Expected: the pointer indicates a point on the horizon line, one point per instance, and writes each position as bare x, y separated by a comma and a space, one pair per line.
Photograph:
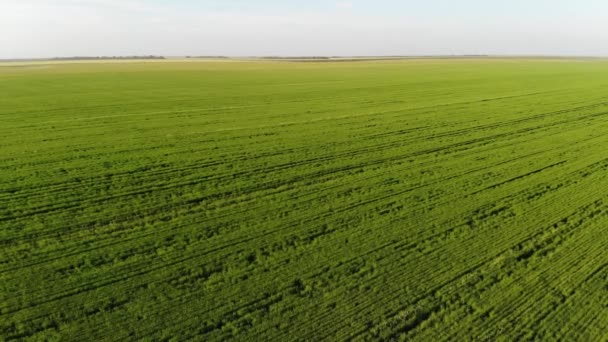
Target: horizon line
311, 57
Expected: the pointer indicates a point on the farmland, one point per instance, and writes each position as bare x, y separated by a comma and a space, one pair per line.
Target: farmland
263, 200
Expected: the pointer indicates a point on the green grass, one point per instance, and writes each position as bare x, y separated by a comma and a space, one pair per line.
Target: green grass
419, 200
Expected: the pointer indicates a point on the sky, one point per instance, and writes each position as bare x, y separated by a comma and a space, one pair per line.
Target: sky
60, 28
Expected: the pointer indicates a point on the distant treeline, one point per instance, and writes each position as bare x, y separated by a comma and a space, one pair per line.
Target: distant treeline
80, 58
320, 59
104, 57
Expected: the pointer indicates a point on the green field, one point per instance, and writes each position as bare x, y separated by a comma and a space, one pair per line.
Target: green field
423, 200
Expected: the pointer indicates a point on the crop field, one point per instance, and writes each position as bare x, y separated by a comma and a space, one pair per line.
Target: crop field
418, 200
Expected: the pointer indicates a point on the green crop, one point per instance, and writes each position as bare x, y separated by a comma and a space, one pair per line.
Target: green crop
425, 200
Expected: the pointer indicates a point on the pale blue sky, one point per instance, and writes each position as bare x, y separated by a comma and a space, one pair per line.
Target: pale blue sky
47, 28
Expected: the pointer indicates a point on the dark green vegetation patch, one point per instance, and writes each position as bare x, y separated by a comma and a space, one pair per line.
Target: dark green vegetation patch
419, 200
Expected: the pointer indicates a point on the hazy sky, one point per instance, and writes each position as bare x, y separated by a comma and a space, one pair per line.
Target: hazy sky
47, 28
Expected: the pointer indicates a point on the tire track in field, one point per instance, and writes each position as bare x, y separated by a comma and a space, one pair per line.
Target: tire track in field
501, 252
300, 163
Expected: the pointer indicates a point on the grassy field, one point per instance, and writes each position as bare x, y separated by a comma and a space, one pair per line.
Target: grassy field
381, 200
